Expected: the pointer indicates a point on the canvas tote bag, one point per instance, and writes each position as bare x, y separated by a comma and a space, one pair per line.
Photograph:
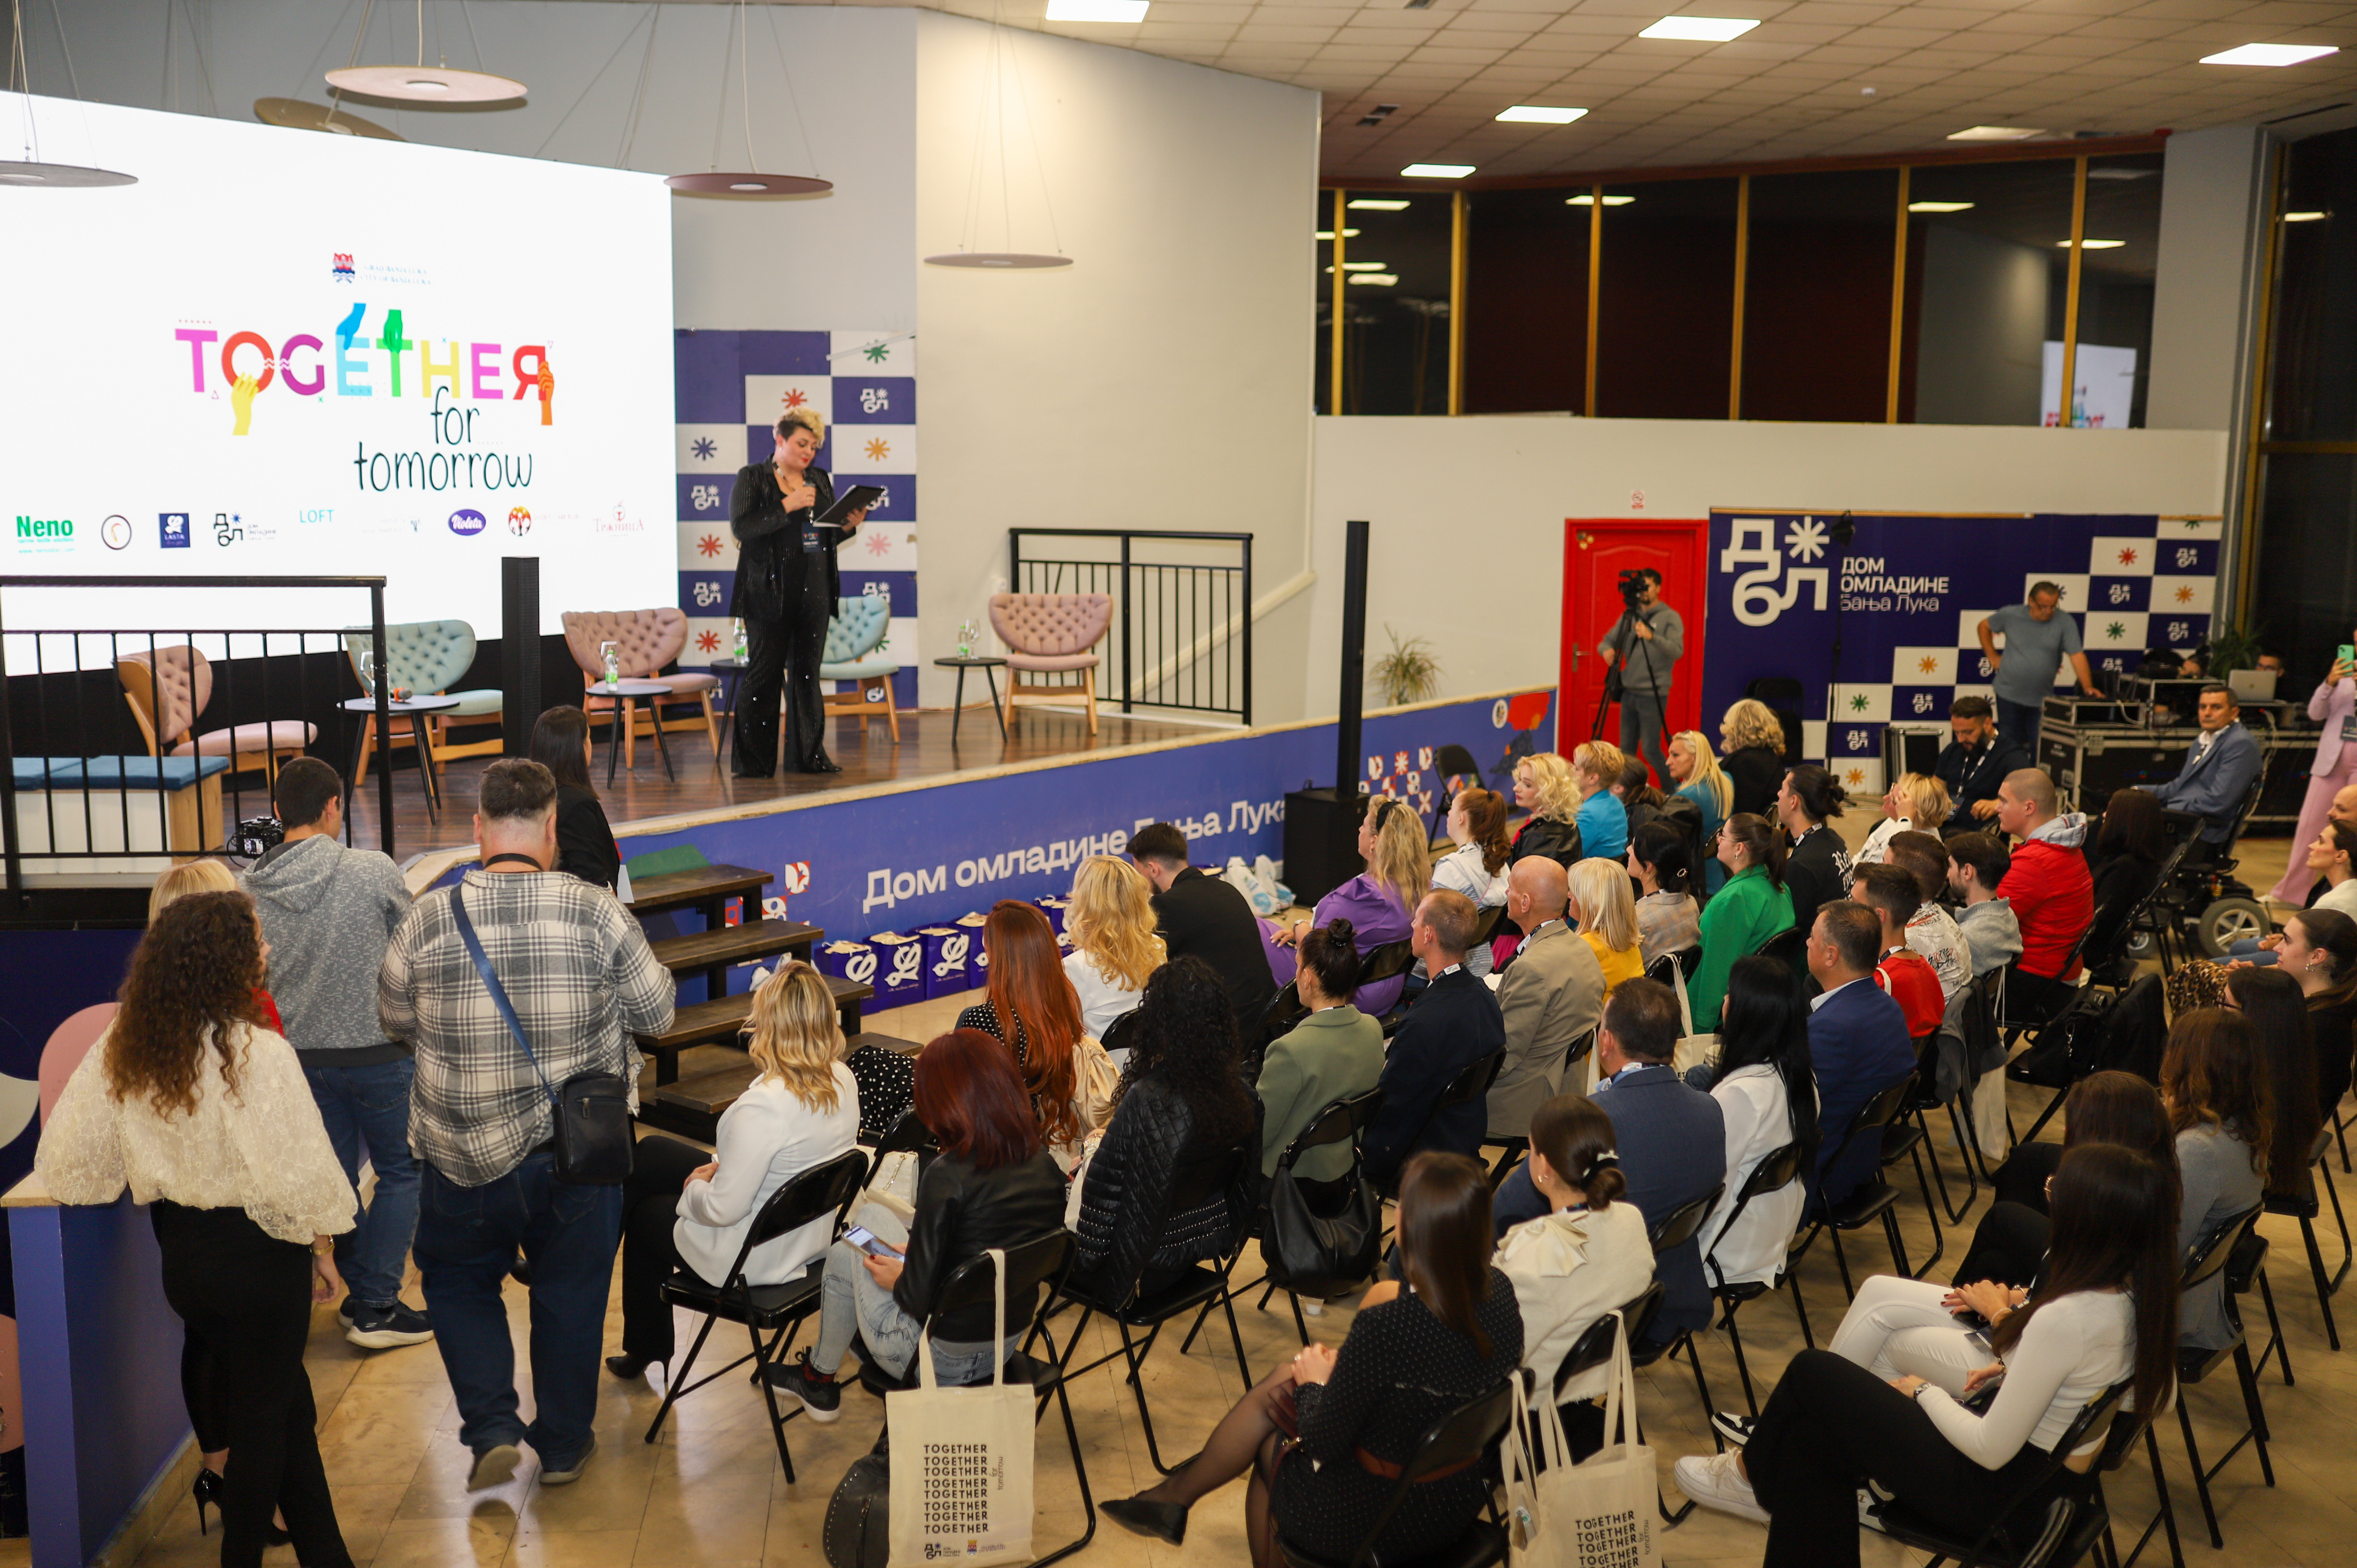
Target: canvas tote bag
961, 1461
1693, 1050
1598, 1514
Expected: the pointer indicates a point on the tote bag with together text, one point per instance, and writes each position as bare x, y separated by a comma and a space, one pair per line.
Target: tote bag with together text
961, 1463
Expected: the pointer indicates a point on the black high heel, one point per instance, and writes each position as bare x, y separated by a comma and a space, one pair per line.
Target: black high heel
208, 1489
1141, 1516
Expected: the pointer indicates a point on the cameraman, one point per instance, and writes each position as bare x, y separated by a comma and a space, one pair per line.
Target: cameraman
1647, 642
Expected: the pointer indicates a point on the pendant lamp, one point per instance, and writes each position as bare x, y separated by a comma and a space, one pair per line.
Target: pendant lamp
717, 181
30, 172
301, 114
420, 84
990, 132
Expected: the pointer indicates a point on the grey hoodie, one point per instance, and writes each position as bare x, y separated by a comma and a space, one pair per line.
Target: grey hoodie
329, 913
1993, 933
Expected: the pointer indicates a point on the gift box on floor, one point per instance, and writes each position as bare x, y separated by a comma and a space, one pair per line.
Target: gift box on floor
947, 949
977, 959
899, 969
1053, 906
851, 961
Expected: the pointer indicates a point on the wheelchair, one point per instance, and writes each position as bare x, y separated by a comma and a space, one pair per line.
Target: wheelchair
2201, 908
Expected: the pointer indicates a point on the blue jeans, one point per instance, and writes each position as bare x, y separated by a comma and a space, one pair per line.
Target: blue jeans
2018, 722
372, 1103
850, 1301
466, 1238
2247, 948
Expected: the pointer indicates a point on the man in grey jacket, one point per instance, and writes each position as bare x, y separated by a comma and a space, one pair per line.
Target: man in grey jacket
1648, 642
328, 914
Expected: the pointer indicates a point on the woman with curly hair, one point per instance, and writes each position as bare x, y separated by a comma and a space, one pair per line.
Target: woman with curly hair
203, 1112
1033, 1010
1380, 902
1754, 758
1543, 786
1114, 948
1182, 1099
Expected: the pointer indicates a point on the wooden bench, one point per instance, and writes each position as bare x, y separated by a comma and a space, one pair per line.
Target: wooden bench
713, 951
692, 1105
721, 1020
705, 888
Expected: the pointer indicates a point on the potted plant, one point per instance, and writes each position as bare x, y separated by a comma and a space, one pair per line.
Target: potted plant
1408, 673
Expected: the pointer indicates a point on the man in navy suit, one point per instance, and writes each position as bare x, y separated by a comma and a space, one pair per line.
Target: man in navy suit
1672, 1137
1857, 1040
1453, 1024
2219, 768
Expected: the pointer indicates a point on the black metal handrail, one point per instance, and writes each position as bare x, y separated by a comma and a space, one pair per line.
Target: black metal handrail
1183, 630
153, 641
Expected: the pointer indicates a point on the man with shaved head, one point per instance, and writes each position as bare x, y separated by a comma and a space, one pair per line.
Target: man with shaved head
1551, 993
2050, 890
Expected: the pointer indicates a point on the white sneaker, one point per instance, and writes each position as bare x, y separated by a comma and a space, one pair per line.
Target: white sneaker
1866, 1518
1715, 1481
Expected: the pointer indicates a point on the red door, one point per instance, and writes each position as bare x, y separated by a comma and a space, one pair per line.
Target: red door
1596, 551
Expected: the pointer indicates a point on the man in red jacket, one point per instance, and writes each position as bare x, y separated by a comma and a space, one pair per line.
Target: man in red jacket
1892, 892
2049, 887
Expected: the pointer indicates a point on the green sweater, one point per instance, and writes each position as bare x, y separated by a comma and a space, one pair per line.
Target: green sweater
1325, 1058
1738, 920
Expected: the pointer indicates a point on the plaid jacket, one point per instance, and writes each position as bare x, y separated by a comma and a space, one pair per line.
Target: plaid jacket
583, 980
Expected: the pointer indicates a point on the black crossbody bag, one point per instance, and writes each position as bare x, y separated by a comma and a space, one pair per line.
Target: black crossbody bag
591, 1113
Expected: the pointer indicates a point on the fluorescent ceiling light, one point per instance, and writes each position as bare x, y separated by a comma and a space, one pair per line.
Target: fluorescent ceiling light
1437, 171
1380, 280
2116, 172
1366, 266
1374, 204
1993, 134
2270, 54
1097, 10
1585, 200
1939, 207
1699, 29
2304, 217
2091, 244
1535, 114
1329, 233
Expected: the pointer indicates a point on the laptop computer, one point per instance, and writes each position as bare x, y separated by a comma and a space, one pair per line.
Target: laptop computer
2252, 685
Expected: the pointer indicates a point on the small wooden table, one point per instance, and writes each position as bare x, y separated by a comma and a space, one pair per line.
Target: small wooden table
985, 664
415, 709
624, 713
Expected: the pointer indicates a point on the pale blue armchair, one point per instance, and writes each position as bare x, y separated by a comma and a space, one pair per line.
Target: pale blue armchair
425, 657
854, 651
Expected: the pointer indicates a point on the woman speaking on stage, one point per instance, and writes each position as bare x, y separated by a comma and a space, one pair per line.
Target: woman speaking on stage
787, 584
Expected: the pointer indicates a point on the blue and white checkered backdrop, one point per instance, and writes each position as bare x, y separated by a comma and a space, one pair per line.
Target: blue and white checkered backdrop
732, 386
1912, 591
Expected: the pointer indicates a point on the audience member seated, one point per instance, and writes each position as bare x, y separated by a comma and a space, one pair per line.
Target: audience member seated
1668, 918
1111, 922
681, 1210
1914, 801
1544, 788
585, 839
1204, 917
2219, 768
1672, 1139
2320, 951
2333, 859
2052, 895
1180, 1101
1379, 902
1588, 1255
2212, 1079
1858, 1041
1973, 765
887, 1086
1890, 892
1977, 866
1834, 1425
1477, 866
1754, 758
1455, 1023
2271, 1002
1032, 1009
1930, 929
993, 1185
1550, 997
1816, 868
1603, 819
1606, 913
2129, 847
1634, 789
1713, 794
1767, 1090
1335, 1052
1753, 906
1325, 1435
2008, 1250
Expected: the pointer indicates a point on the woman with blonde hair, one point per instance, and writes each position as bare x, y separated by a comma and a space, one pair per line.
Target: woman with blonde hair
1114, 948
1699, 779
1914, 802
1543, 786
682, 1211
1754, 760
205, 875
1603, 819
1380, 902
1606, 911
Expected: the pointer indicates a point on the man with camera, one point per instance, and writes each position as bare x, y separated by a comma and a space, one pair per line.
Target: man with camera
1644, 645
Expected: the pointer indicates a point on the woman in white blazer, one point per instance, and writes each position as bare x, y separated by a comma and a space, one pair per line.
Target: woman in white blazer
2333, 705
1763, 1056
681, 1210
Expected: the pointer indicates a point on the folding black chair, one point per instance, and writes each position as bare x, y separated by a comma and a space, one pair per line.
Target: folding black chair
1465, 1438
1511, 1147
1342, 1122
779, 1310
1594, 1349
1773, 1174
2208, 1259
2306, 1210
1874, 1198
1684, 962
1789, 946
1677, 1227
1485, 926
1284, 1011
1116, 1034
1472, 1082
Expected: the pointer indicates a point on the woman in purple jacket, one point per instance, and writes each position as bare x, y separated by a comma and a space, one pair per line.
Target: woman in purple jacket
1380, 902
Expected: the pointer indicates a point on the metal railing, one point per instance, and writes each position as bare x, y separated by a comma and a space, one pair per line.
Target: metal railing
1183, 610
63, 706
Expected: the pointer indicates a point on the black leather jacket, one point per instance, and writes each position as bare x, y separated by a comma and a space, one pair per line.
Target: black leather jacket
1126, 1221
1558, 841
963, 1212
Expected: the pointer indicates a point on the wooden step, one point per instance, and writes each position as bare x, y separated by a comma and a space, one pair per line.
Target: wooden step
718, 1022
708, 888
724, 946
713, 1077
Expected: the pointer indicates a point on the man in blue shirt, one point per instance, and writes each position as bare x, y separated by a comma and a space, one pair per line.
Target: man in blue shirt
2038, 637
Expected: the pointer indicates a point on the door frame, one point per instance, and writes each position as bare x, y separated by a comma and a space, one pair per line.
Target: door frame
1571, 646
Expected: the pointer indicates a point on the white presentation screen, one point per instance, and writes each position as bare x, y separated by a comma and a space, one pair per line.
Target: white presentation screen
285, 353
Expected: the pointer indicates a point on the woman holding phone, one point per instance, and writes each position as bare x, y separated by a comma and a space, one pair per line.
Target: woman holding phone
2333, 704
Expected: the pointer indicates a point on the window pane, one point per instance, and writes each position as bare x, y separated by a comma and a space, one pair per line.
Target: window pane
1525, 303
2115, 273
1987, 270
2314, 393
1396, 299
1665, 313
1322, 390
1816, 309
2308, 557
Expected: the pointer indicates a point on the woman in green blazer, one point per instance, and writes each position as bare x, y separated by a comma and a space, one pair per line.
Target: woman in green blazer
1741, 916
1335, 1052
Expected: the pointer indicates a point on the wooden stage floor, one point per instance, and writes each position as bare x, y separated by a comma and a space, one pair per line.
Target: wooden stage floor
924, 751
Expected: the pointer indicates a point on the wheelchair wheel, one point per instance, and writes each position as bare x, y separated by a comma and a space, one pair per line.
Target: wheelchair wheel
2142, 945
2230, 921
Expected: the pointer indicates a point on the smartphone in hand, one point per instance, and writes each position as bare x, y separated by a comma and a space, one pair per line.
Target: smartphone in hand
867, 1241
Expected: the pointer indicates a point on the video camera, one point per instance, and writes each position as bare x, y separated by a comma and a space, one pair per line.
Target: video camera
1633, 586
256, 836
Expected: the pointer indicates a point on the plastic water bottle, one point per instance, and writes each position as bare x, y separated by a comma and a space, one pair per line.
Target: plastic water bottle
739, 645
613, 665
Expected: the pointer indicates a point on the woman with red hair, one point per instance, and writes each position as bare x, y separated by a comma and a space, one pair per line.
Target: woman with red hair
1033, 1009
992, 1185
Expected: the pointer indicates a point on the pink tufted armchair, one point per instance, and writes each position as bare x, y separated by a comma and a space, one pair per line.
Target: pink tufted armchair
170, 688
647, 641
1051, 634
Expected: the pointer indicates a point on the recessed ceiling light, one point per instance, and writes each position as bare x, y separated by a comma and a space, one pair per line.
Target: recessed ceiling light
2116, 172
1699, 29
2305, 217
2091, 244
1993, 134
1366, 266
1585, 200
1534, 114
1437, 171
1097, 10
1939, 207
1380, 280
1329, 233
2270, 54
1372, 204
